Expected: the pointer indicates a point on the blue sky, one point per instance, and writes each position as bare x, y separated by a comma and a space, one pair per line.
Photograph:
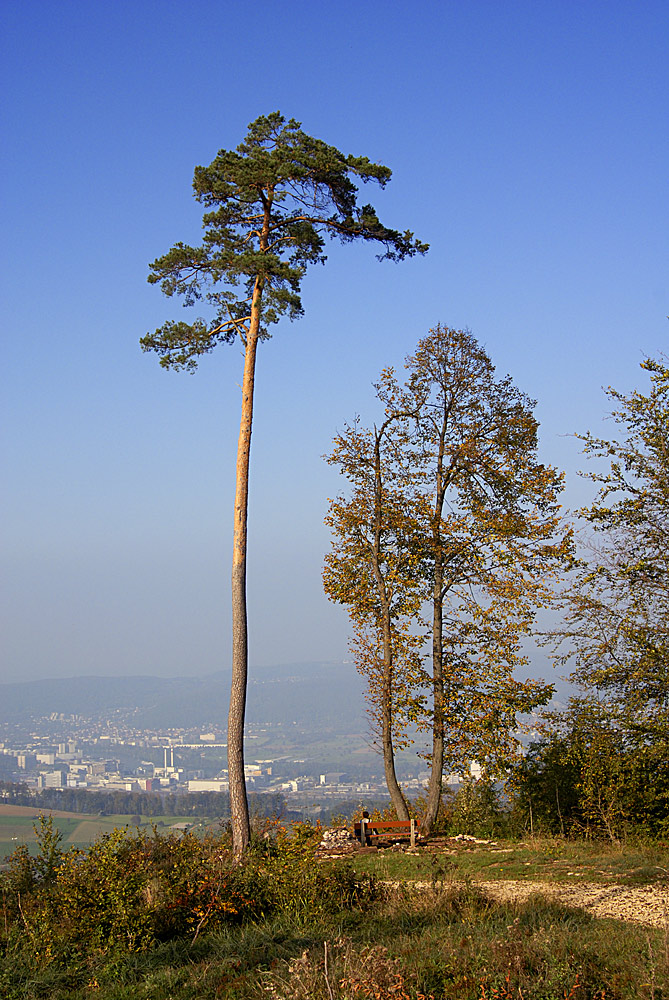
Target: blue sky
529, 147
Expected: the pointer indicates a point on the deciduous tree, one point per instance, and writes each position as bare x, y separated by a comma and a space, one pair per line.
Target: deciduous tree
450, 500
372, 568
616, 610
270, 203
490, 540
589, 775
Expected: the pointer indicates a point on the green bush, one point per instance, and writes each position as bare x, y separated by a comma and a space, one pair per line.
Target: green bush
583, 778
131, 890
476, 808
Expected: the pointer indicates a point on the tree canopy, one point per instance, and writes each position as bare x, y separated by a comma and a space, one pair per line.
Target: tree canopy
616, 609
493, 543
448, 539
271, 204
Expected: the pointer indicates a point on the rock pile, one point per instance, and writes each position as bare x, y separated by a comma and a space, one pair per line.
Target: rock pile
337, 835
472, 840
337, 840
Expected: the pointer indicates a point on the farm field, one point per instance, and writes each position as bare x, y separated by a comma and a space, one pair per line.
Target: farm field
17, 826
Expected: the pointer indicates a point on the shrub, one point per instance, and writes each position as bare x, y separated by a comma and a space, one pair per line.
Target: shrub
476, 808
128, 890
131, 889
584, 779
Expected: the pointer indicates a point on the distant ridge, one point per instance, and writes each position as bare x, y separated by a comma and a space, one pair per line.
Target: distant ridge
314, 695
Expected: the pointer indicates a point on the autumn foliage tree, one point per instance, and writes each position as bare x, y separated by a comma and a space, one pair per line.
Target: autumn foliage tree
373, 568
492, 544
271, 204
476, 520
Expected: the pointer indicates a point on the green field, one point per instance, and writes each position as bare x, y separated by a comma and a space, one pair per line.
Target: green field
80, 830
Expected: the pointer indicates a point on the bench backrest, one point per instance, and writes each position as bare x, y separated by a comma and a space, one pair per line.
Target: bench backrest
386, 824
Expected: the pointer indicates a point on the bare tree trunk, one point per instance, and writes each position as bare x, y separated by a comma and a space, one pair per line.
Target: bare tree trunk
437, 761
396, 794
239, 807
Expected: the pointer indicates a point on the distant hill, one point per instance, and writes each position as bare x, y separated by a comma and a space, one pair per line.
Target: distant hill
314, 695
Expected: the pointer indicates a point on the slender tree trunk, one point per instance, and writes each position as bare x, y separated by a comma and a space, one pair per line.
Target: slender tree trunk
239, 807
437, 762
396, 794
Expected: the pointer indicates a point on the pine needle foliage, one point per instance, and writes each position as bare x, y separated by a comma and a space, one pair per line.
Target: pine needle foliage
271, 203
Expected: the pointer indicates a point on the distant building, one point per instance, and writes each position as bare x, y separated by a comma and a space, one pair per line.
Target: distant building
122, 786
202, 785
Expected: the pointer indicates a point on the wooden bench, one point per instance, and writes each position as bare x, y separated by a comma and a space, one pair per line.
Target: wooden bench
370, 831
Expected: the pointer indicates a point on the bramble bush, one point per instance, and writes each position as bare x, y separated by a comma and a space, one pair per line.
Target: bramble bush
128, 917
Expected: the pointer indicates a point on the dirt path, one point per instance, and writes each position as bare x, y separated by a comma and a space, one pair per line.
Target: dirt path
647, 904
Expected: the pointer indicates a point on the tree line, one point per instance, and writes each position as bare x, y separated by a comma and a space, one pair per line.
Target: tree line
117, 802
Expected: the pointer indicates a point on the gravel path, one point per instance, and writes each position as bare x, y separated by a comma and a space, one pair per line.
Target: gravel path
648, 904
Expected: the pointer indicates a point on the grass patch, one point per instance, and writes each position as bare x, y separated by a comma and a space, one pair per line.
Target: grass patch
16, 830
543, 860
447, 946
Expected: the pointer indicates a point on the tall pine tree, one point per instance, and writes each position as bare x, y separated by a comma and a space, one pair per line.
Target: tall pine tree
270, 203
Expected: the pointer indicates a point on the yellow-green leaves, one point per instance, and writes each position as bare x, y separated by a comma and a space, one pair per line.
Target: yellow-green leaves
446, 543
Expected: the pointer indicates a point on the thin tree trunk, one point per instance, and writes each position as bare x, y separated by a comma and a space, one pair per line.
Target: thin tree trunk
396, 794
239, 807
437, 761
